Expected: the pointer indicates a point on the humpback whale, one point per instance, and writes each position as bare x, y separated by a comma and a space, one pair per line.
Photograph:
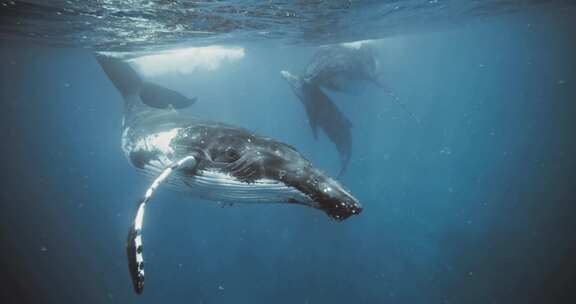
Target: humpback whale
323, 113
342, 69
213, 161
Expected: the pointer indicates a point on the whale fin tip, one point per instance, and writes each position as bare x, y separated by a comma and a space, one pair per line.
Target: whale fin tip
134, 245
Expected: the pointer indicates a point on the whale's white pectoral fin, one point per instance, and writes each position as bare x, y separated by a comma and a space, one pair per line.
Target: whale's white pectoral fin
134, 241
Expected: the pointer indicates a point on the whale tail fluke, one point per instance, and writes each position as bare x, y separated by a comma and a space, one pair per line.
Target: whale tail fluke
133, 88
157, 96
121, 74
324, 114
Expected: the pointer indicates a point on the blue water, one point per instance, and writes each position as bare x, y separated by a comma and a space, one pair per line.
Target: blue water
473, 205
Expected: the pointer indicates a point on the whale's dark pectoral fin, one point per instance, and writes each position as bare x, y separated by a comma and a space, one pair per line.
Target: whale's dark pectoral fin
315, 132
313, 121
134, 242
323, 113
344, 160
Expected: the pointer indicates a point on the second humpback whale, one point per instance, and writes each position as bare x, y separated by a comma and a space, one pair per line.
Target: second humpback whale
342, 69
213, 161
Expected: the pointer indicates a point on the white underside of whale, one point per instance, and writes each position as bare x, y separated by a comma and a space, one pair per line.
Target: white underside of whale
222, 187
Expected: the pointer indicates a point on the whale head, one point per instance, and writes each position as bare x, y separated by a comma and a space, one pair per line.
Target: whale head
253, 160
329, 195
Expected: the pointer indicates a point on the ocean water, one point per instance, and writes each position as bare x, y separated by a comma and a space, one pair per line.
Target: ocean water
475, 204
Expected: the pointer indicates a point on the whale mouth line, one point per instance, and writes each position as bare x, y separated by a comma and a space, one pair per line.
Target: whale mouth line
267, 190
215, 185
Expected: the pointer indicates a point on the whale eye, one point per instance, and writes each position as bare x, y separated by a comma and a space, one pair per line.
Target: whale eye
226, 155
